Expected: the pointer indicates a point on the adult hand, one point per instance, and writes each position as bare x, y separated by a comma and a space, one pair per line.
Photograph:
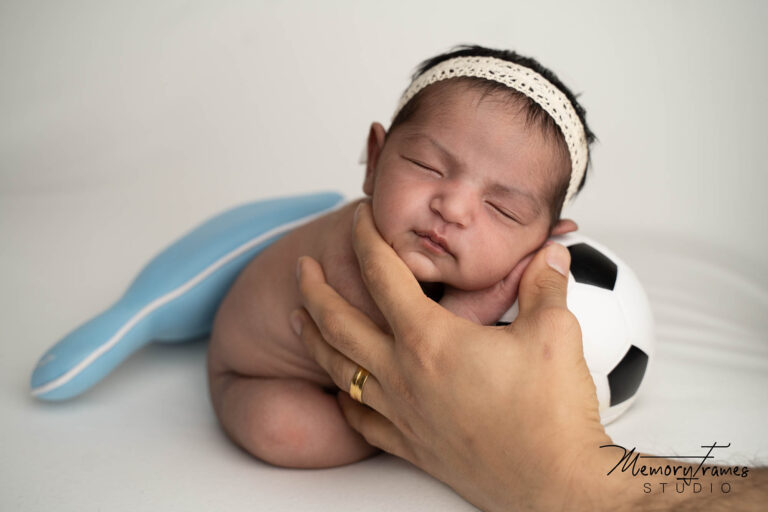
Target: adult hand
507, 416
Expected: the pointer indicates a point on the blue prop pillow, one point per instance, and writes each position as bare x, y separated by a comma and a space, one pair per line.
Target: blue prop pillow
175, 297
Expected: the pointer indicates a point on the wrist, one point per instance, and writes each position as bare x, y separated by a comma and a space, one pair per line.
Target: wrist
590, 483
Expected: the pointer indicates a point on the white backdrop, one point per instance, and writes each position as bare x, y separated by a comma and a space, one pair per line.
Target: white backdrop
124, 124
195, 106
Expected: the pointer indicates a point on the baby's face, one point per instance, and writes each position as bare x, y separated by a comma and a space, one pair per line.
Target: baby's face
461, 191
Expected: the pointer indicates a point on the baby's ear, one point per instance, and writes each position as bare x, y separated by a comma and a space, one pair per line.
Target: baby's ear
376, 137
564, 226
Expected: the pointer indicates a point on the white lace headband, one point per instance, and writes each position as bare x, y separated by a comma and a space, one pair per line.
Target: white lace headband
525, 81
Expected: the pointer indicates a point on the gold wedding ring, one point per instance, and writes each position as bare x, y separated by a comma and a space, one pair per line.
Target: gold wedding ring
358, 381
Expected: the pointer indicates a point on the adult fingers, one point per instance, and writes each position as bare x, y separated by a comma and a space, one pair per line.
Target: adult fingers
339, 367
389, 281
375, 428
545, 280
340, 324
544, 314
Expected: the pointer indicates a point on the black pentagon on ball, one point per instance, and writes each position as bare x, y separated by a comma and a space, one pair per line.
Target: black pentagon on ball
625, 378
590, 266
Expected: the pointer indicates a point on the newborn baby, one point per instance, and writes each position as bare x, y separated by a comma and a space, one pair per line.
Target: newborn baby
468, 182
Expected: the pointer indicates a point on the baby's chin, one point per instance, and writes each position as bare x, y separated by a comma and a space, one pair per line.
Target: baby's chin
425, 271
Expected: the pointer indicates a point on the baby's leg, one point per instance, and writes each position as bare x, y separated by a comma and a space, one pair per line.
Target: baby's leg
286, 422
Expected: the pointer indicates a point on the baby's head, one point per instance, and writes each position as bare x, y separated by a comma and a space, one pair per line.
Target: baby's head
473, 174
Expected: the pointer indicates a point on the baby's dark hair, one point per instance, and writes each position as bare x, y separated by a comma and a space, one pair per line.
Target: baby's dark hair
535, 114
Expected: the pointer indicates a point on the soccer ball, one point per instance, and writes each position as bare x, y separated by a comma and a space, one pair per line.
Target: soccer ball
615, 318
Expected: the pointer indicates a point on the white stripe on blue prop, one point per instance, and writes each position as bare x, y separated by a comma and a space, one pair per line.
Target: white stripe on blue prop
175, 296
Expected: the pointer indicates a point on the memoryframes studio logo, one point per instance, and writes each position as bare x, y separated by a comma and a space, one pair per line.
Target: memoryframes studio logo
660, 475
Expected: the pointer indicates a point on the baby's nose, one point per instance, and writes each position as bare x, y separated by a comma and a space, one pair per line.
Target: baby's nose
455, 205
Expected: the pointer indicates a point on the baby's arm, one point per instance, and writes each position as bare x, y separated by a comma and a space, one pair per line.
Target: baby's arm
286, 422
486, 306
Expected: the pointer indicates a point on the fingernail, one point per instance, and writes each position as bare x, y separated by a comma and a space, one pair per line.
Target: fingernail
558, 258
298, 268
295, 320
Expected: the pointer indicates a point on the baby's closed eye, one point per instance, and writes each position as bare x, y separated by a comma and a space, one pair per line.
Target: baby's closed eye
504, 212
423, 165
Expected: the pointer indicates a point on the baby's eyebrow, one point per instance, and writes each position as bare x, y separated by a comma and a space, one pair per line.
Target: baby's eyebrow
442, 149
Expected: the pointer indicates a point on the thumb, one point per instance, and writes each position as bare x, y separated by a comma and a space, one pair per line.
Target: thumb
545, 281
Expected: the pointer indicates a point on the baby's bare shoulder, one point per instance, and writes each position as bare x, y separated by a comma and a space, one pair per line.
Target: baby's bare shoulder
251, 334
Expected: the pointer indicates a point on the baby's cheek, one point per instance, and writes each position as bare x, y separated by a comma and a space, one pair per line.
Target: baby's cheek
485, 271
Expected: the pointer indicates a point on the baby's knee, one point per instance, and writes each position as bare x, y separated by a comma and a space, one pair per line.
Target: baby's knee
270, 419
280, 435
287, 422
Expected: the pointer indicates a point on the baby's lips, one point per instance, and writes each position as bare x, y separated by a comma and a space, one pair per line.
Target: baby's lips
436, 239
